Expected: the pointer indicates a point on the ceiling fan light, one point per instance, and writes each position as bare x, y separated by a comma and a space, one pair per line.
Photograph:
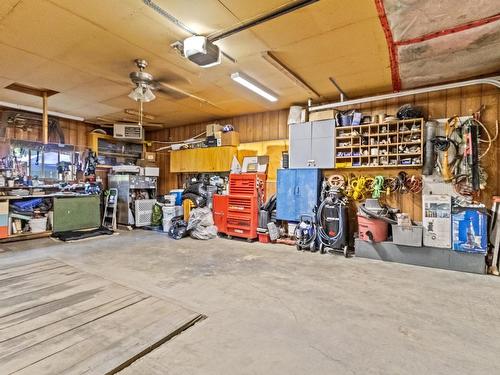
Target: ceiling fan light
142, 93
148, 95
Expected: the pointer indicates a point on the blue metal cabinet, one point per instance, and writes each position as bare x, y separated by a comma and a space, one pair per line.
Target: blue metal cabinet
297, 193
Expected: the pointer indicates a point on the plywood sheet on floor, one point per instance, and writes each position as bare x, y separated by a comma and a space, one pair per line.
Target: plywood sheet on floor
55, 318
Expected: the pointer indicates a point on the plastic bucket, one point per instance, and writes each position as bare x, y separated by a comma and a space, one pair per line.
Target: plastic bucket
375, 230
38, 225
178, 196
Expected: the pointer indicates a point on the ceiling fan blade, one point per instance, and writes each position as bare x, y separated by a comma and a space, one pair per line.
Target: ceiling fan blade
169, 88
173, 94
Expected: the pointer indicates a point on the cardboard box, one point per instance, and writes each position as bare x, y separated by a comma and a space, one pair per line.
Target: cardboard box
212, 129
145, 163
230, 139
151, 171
322, 115
218, 135
437, 220
150, 156
470, 229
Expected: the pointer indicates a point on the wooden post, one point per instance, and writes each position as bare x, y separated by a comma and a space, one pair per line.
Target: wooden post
45, 119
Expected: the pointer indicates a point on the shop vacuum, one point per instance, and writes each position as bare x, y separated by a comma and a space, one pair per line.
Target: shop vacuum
306, 233
332, 222
326, 230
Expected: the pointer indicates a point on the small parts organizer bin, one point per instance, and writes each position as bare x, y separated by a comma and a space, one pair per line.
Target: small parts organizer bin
395, 143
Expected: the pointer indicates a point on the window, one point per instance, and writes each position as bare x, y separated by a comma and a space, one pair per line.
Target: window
41, 161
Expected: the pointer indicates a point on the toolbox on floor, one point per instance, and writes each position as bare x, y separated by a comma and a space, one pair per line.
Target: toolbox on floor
237, 214
242, 216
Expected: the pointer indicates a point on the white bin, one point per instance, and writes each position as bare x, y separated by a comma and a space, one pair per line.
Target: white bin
38, 225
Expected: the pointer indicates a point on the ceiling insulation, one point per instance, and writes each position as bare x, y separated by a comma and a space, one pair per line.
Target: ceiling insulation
451, 57
413, 18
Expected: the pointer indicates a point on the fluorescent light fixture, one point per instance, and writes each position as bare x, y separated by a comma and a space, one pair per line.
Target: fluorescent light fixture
39, 110
254, 86
142, 93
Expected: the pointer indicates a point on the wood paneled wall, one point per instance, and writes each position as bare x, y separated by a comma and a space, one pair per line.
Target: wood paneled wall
75, 133
273, 125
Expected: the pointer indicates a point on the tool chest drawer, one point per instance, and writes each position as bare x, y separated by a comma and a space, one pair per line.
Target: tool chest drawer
248, 184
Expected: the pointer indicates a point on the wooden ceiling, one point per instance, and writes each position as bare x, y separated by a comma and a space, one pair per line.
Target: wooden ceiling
85, 50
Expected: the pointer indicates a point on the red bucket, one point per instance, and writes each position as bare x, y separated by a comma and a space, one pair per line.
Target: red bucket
370, 229
264, 238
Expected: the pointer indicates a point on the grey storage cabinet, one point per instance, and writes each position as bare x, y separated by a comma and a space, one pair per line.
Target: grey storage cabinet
312, 144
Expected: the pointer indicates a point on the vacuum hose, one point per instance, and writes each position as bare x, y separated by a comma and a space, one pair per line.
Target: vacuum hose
431, 128
375, 216
322, 234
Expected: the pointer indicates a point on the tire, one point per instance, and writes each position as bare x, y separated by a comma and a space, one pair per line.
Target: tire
298, 247
321, 248
346, 251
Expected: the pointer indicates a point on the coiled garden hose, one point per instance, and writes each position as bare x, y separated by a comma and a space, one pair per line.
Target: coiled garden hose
358, 186
377, 187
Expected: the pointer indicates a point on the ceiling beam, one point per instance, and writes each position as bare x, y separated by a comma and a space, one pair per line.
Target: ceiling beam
30, 90
275, 13
294, 77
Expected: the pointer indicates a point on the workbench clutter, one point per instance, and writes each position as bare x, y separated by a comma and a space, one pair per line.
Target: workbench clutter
40, 186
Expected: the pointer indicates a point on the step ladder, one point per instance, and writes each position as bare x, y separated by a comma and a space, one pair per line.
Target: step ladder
109, 217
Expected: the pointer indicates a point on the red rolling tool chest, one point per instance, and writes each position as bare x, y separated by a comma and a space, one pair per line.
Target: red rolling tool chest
248, 184
236, 214
219, 210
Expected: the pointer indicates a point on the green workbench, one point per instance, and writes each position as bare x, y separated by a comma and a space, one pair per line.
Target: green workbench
76, 212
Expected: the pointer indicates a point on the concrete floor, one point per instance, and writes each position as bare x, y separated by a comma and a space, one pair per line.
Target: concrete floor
273, 310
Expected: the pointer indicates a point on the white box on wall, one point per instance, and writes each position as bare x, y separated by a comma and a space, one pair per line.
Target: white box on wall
437, 220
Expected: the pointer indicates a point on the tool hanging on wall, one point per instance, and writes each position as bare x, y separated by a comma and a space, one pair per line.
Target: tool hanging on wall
442, 146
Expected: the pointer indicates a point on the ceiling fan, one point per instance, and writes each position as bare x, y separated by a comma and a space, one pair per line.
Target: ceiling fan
146, 85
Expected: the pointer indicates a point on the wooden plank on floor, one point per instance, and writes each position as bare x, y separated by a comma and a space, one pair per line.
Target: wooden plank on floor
42, 316
55, 318
23, 269
18, 285
47, 295
8, 266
